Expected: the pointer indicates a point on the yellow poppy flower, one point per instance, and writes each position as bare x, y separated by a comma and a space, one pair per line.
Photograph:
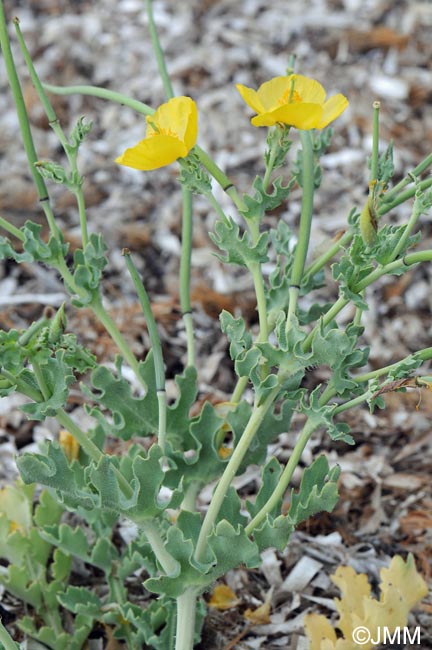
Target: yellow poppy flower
294, 100
171, 133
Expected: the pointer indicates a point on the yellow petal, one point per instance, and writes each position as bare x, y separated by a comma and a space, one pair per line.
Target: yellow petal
319, 630
178, 116
354, 588
251, 98
310, 91
191, 131
153, 153
301, 116
404, 578
332, 108
223, 598
271, 93
260, 615
69, 445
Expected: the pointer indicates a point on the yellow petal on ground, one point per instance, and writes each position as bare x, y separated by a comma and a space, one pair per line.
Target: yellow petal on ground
332, 108
318, 629
310, 91
223, 598
260, 615
403, 577
153, 153
301, 116
354, 588
251, 98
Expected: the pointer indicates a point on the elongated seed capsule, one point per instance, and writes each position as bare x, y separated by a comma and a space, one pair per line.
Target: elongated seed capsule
368, 223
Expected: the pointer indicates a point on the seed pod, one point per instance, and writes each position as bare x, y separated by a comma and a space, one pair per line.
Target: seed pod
368, 223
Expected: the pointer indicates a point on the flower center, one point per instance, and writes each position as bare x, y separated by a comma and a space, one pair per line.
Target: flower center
158, 130
290, 96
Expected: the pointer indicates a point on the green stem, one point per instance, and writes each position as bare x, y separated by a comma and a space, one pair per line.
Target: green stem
256, 272
191, 493
305, 224
54, 122
79, 194
327, 318
185, 274
424, 355
160, 58
352, 402
155, 344
404, 196
325, 257
215, 204
239, 389
186, 613
165, 559
80, 436
117, 337
375, 143
285, 478
6, 639
235, 460
219, 176
25, 124
102, 93
414, 217
274, 148
421, 167
150, 320
16, 232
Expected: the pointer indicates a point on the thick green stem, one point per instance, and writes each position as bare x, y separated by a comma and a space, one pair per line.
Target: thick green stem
186, 613
25, 124
185, 274
285, 478
306, 209
165, 559
237, 456
239, 389
190, 496
305, 223
255, 269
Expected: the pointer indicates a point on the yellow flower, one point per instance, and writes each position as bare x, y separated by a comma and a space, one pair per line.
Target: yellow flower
171, 133
294, 100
